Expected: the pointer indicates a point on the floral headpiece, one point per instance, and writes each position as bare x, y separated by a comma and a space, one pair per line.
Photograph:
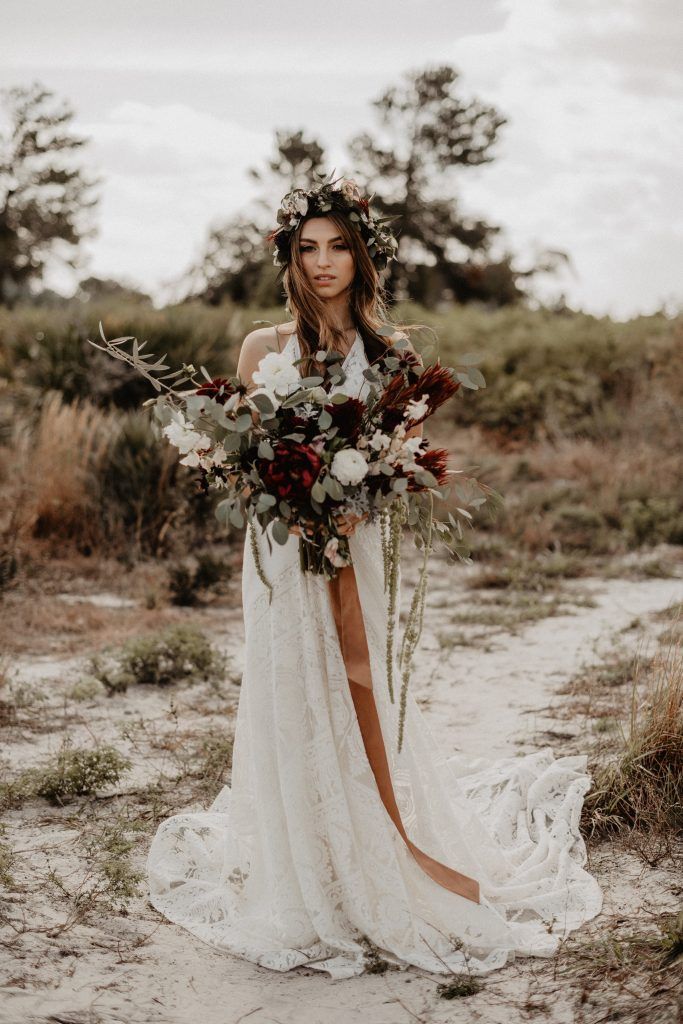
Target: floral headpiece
328, 196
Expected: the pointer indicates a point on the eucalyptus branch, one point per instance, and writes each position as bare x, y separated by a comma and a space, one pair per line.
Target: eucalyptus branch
143, 363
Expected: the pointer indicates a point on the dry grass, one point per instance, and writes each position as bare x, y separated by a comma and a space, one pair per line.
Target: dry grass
43, 625
52, 472
638, 791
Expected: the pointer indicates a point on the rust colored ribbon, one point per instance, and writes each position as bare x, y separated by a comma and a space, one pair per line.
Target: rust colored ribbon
348, 616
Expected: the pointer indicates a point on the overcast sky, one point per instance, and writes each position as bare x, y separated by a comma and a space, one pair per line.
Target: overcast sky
180, 97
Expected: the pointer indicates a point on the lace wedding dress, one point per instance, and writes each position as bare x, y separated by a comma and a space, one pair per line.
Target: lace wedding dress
298, 861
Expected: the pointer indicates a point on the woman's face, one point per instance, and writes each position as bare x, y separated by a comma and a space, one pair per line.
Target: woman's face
325, 256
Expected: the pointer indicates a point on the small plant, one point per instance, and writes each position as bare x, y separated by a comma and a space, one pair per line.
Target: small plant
180, 654
80, 773
6, 860
461, 988
87, 688
186, 583
110, 848
9, 567
182, 585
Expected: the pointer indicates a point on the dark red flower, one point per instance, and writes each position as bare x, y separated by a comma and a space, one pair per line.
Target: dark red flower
220, 389
435, 460
292, 472
437, 382
347, 417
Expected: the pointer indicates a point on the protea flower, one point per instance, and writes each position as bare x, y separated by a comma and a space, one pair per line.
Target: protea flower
434, 460
436, 382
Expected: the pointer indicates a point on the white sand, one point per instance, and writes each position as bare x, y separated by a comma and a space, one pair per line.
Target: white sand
494, 699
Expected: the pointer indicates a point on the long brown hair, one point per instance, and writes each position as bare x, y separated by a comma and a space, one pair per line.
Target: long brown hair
367, 301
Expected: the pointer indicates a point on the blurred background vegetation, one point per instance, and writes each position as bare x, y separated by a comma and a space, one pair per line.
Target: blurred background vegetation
579, 425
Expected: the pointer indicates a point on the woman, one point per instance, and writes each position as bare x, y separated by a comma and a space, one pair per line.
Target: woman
328, 841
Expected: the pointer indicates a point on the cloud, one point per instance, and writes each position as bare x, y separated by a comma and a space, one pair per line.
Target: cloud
585, 164
169, 171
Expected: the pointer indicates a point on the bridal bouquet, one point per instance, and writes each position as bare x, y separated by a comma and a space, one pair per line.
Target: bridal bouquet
289, 454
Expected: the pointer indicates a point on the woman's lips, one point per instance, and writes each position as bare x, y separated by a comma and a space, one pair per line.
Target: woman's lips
325, 280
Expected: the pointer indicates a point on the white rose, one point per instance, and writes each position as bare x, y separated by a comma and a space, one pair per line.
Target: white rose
183, 437
349, 466
276, 373
413, 444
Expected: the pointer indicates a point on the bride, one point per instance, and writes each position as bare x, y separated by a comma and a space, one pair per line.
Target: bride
329, 842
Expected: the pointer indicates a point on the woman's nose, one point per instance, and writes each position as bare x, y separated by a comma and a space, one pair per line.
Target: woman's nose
323, 258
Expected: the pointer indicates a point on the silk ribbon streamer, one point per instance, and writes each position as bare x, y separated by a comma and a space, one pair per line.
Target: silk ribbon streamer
348, 617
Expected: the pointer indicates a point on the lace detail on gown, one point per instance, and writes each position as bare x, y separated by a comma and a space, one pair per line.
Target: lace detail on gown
297, 860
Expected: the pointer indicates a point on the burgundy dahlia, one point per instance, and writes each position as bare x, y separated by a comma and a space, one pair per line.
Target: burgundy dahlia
292, 472
347, 417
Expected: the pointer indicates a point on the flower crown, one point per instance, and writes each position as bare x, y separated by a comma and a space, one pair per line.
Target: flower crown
328, 196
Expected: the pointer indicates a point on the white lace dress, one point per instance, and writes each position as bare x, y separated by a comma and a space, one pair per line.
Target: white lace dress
298, 862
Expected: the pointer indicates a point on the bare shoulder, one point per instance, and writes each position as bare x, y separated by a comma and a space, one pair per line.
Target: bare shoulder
268, 339
258, 343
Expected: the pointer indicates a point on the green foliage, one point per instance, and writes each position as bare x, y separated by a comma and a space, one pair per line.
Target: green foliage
560, 375
80, 773
652, 520
137, 479
6, 861
187, 583
48, 349
180, 654
68, 774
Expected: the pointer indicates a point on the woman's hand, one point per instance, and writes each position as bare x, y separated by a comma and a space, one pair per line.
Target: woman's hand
232, 479
347, 524
296, 529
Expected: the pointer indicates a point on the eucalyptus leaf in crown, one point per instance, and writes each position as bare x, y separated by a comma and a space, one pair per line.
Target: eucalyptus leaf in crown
329, 195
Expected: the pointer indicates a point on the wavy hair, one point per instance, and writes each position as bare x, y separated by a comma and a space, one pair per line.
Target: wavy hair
367, 301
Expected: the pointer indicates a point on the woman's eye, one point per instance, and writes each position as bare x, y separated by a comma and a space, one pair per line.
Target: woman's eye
309, 248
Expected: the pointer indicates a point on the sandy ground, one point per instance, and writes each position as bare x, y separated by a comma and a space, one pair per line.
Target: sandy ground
491, 686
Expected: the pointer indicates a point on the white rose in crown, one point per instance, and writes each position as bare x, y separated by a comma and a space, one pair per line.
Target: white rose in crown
275, 373
349, 466
297, 203
349, 189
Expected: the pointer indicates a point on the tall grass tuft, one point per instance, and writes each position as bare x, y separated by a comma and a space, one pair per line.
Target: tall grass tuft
639, 792
93, 480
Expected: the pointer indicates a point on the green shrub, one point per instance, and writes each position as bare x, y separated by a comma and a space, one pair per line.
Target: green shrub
180, 654
139, 486
80, 772
653, 520
580, 528
186, 583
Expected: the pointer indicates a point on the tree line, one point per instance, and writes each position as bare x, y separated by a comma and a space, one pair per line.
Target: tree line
427, 134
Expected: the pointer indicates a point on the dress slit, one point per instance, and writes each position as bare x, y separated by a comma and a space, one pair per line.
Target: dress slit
348, 617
